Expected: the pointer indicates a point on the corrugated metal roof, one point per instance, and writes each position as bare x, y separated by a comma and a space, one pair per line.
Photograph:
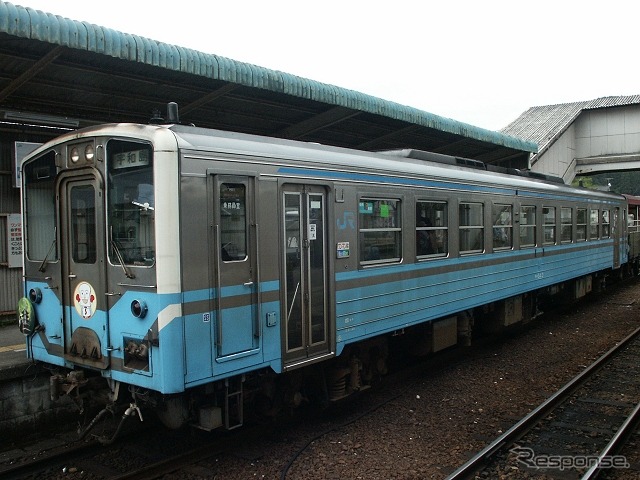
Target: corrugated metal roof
606, 102
34, 25
544, 124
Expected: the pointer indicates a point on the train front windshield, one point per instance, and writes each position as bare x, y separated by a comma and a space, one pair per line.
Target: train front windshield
131, 207
39, 203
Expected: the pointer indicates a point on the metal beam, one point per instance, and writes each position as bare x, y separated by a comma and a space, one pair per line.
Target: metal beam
210, 97
317, 122
609, 163
381, 140
31, 72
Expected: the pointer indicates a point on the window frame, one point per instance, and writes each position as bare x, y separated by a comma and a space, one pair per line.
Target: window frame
582, 224
470, 228
605, 229
40, 212
499, 228
594, 227
130, 205
437, 234
372, 232
526, 226
548, 226
566, 225
227, 205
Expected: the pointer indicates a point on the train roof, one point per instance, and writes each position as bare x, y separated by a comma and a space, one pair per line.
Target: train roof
405, 163
632, 199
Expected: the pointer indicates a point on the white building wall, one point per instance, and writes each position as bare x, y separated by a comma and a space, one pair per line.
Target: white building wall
610, 131
607, 132
558, 158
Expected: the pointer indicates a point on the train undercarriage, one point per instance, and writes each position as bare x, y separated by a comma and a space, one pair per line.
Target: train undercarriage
261, 395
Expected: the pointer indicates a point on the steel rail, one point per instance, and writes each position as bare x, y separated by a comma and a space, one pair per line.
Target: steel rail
627, 428
519, 429
60, 455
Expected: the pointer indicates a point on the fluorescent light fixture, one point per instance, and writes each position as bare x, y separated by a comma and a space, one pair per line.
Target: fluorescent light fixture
41, 119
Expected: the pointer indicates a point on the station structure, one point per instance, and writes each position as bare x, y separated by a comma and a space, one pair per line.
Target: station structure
59, 74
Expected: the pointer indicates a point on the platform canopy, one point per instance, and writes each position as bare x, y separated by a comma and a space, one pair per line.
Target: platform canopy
69, 73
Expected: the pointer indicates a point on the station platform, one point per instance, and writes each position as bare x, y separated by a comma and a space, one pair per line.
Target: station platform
13, 352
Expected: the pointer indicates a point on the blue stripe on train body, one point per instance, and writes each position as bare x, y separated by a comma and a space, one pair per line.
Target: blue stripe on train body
382, 301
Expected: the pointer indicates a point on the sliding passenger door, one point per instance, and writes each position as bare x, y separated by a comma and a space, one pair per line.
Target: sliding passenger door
616, 232
236, 292
304, 244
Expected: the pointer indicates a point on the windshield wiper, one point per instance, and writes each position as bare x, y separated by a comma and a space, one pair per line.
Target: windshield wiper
43, 265
143, 206
116, 250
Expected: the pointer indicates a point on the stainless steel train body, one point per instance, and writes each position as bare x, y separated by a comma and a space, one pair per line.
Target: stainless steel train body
175, 259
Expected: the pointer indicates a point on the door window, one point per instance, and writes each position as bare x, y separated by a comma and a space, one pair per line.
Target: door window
233, 222
83, 224
317, 269
305, 273
293, 257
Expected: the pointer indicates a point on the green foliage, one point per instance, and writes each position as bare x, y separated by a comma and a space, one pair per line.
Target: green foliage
586, 182
621, 182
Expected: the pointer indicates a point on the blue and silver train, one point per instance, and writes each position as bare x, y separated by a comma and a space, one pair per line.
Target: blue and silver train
212, 275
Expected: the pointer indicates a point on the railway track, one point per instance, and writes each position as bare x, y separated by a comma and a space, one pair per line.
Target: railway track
148, 454
285, 451
153, 451
578, 432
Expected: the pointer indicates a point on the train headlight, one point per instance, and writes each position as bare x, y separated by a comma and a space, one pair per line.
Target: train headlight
35, 295
74, 155
89, 153
139, 308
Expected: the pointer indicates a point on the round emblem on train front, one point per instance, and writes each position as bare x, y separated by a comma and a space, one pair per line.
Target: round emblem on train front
85, 300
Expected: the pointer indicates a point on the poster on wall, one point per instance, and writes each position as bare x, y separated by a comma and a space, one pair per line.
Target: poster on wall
14, 240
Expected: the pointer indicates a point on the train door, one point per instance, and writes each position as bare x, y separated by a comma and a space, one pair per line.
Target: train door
616, 231
237, 327
83, 269
305, 324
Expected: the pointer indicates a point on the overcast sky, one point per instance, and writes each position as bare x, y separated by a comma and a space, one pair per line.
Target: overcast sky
478, 62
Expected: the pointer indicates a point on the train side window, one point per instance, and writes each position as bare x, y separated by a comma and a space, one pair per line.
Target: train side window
431, 229
594, 224
502, 217
233, 222
380, 231
471, 217
606, 226
566, 221
528, 226
549, 229
581, 224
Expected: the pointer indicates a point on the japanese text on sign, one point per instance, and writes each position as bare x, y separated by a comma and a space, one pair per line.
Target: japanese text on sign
14, 240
